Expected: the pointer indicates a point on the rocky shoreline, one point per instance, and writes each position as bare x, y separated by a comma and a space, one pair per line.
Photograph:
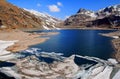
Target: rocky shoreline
115, 42
24, 39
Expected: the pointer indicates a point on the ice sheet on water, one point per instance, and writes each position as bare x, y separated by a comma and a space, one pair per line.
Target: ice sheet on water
38, 53
94, 71
57, 56
10, 72
32, 50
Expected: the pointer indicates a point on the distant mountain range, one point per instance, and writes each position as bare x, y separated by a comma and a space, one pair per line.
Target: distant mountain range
108, 17
13, 17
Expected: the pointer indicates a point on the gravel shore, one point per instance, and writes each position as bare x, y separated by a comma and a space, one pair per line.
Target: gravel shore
25, 39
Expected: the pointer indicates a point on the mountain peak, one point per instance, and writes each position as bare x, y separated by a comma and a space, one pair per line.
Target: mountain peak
107, 17
82, 10
110, 10
86, 12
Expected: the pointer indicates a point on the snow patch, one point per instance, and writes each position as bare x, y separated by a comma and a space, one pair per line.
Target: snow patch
4, 54
117, 75
115, 37
49, 22
45, 27
9, 72
113, 61
105, 74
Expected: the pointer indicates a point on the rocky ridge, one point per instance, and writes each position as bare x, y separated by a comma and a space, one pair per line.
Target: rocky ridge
108, 17
14, 17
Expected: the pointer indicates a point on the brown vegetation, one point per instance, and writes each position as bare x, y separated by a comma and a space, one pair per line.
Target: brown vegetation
14, 17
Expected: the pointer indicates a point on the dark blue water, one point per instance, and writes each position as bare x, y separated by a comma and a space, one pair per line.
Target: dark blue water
81, 42
6, 64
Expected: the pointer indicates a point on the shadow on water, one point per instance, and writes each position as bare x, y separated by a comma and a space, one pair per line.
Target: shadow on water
3, 76
47, 59
6, 64
81, 61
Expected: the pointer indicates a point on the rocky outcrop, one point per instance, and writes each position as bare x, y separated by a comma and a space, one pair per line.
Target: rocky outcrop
108, 17
87, 13
77, 20
111, 10
81, 19
111, 21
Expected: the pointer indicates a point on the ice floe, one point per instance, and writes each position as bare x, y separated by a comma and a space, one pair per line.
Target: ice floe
105, 74
37, 52
113, 61
117, 75
4, 54
10, 72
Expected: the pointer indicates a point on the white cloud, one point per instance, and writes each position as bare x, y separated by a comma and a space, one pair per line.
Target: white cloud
59, 3
54, 8
38, 4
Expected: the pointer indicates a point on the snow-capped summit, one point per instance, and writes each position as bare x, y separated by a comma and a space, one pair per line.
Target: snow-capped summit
108, 17
48, 22
110, 10
86, 12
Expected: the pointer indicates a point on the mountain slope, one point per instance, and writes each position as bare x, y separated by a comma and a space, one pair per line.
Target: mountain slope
87, 13
80, 19
108, 17
13, 17
111, 10
48, 22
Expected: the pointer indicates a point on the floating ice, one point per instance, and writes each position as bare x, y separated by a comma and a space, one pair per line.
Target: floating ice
117, 75
4, 54
10, 72
38, 53
113, 61
36, 68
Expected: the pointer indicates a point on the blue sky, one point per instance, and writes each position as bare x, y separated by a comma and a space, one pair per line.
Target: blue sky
63, 8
